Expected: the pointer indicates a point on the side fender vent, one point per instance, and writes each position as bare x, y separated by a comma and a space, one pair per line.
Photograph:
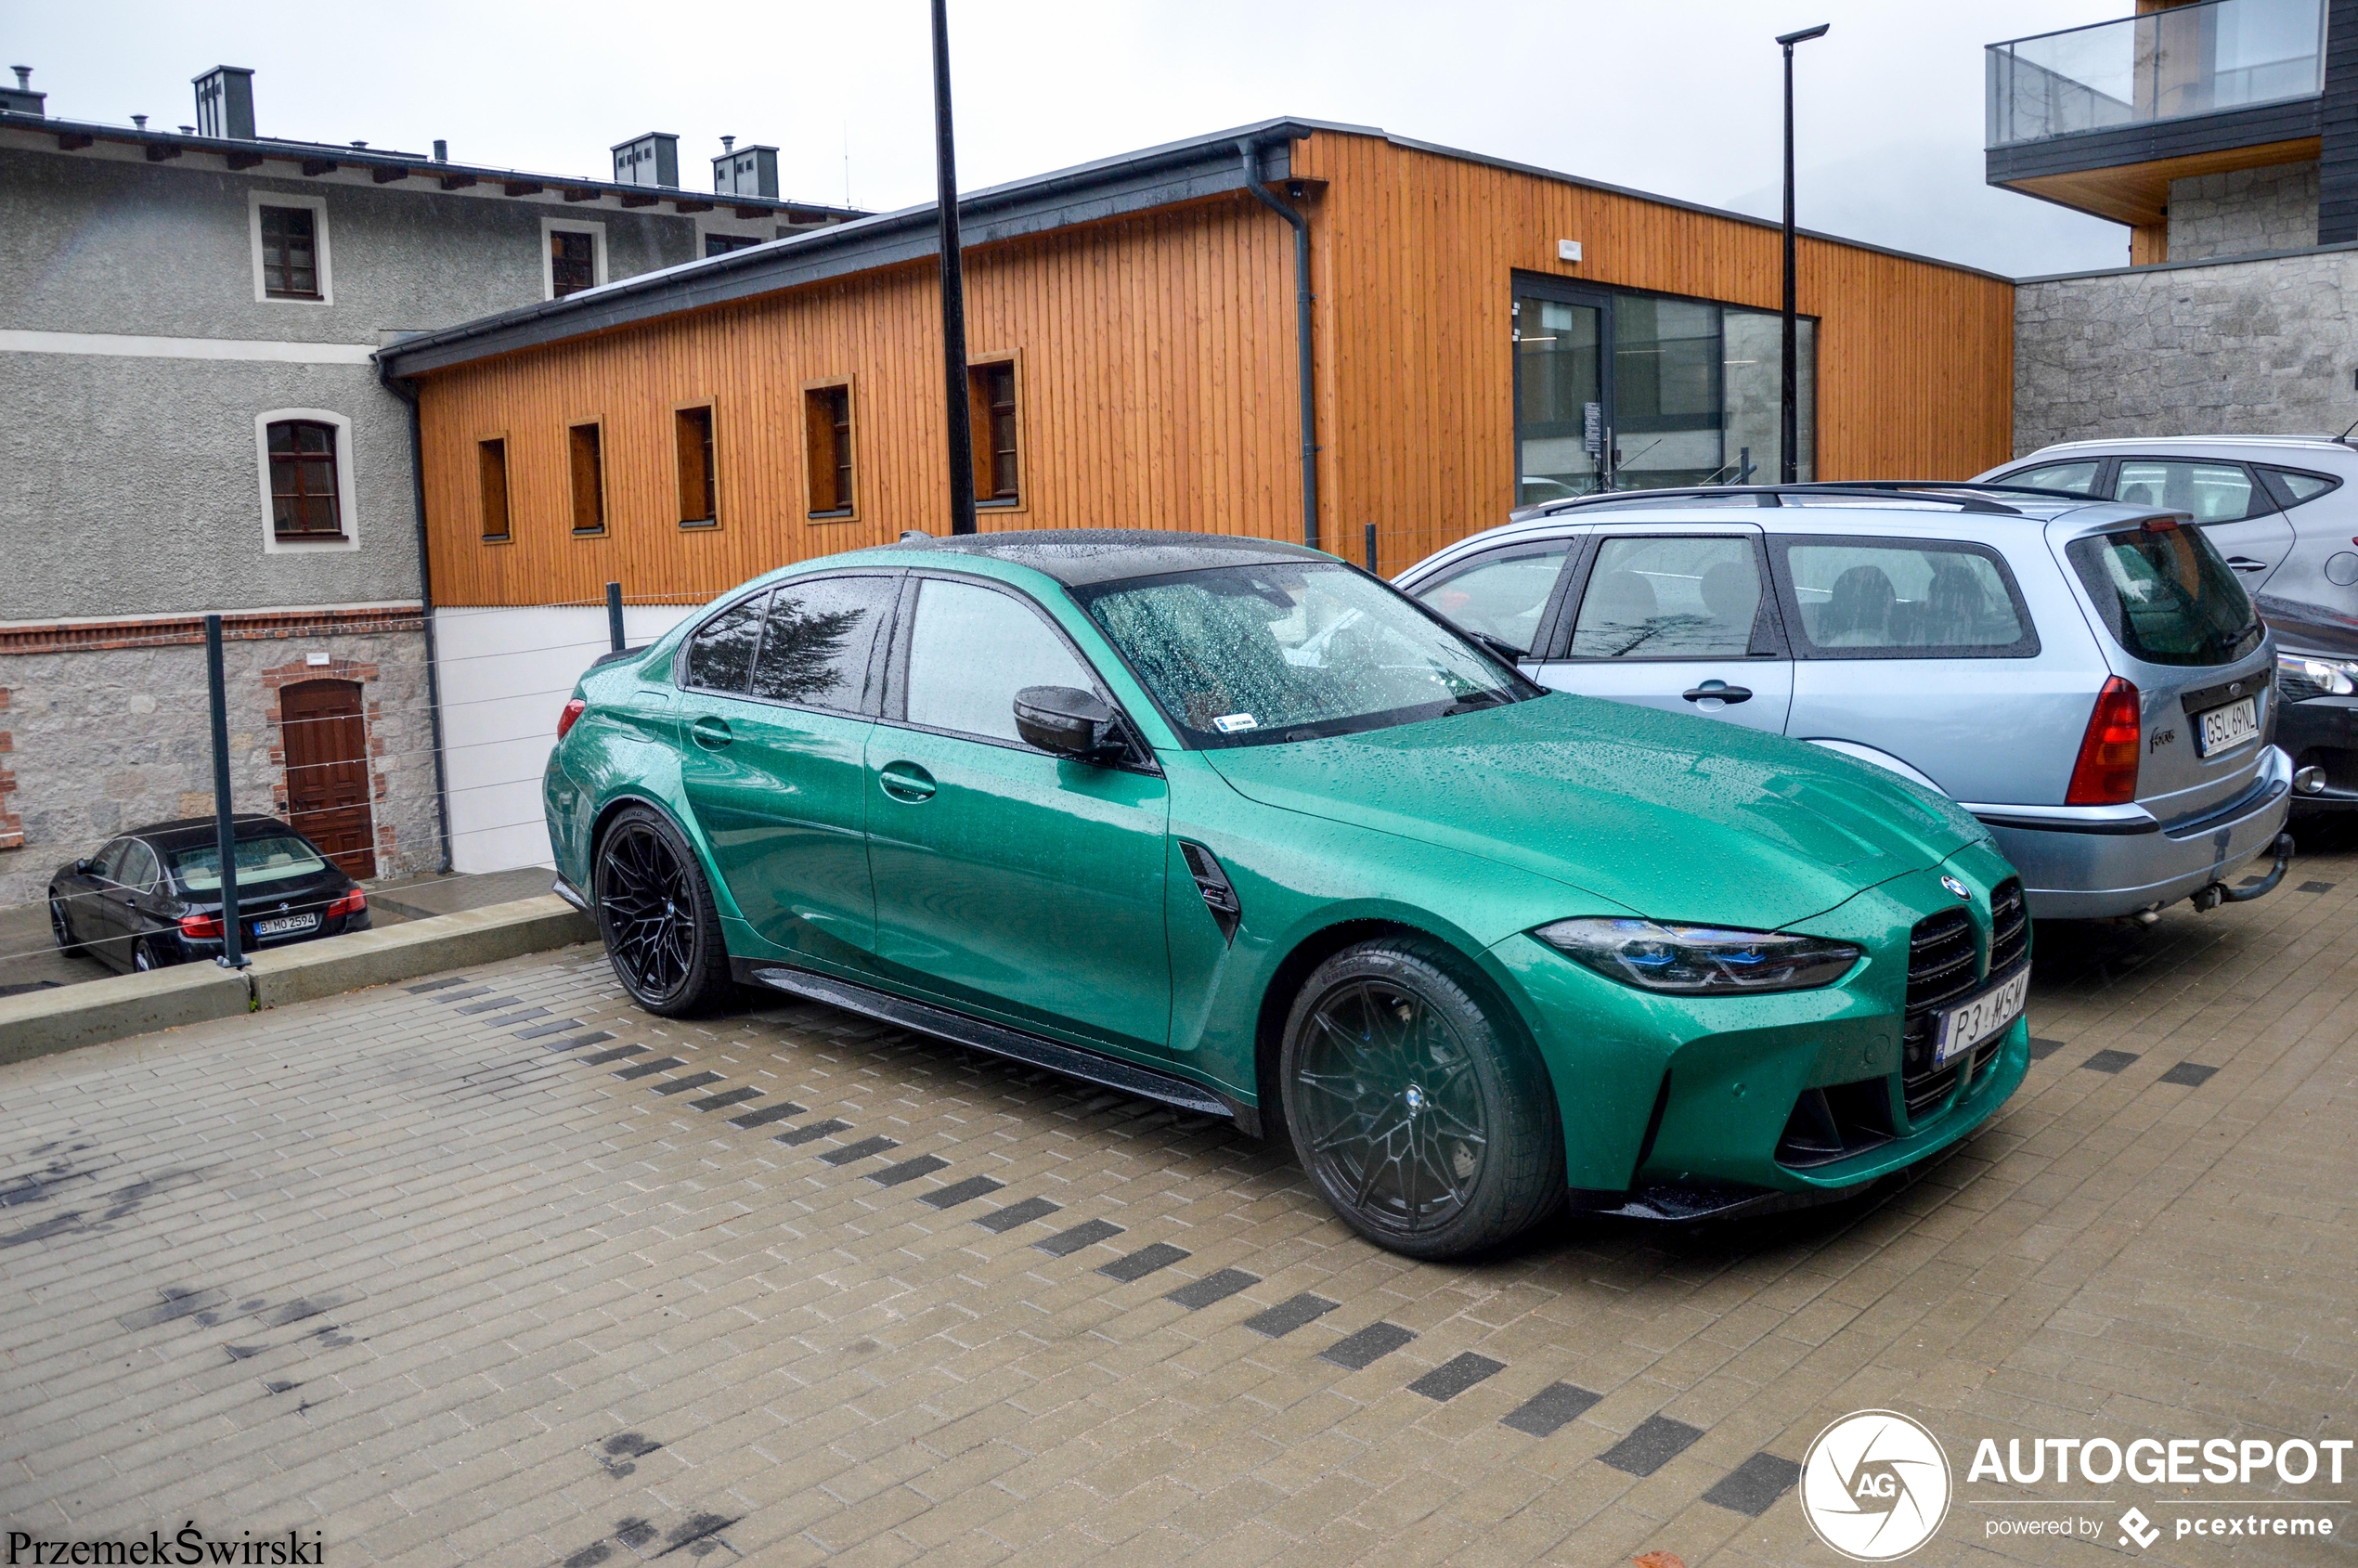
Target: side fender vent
1219, 894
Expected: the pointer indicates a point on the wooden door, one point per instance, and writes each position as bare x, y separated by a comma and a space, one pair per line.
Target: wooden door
327, 748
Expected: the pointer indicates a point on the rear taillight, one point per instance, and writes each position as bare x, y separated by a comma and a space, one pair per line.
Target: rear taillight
574, 710
201, 927
353, 902
2106, 773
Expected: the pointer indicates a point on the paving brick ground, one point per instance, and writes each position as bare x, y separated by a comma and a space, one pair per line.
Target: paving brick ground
547, 1281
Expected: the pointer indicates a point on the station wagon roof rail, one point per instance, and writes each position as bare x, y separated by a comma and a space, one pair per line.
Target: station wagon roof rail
1972, 497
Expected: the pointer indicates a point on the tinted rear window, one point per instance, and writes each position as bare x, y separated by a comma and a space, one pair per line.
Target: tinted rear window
2167, 597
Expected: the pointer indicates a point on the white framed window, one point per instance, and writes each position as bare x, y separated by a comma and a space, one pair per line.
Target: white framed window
573, 256
292, 467
289, 234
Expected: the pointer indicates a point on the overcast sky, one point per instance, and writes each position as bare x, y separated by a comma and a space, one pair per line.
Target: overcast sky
1678, 97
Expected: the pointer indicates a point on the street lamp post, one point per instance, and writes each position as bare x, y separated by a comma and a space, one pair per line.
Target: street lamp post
953, 288
1789, 411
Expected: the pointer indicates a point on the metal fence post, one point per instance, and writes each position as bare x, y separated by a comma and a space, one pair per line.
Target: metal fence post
1371, 552
225, 829
614, 615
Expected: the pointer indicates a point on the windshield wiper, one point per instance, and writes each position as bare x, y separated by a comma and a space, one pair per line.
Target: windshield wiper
1498, 646
1474, 702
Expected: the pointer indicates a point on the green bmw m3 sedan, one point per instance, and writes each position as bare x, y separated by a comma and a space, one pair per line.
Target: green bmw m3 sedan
1234, 825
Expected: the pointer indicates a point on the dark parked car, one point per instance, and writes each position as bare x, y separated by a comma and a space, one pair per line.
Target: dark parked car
154, 896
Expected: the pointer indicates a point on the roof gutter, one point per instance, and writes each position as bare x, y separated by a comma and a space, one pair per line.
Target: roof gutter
1304, 363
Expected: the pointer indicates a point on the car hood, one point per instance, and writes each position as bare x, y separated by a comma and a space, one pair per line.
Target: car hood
1674, 817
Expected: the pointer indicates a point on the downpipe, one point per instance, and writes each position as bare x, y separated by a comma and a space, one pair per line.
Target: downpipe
2211, 897
1305, 361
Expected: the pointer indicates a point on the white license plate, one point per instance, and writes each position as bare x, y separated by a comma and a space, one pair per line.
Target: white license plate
2222, 729
1972, 1021
285, 923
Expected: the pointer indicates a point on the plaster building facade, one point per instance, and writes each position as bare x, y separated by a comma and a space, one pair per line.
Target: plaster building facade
2225, 133
195, 423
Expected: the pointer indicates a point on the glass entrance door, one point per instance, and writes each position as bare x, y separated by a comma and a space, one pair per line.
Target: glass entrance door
1560, 426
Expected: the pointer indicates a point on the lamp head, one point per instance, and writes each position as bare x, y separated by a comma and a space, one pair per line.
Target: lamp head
1806, 33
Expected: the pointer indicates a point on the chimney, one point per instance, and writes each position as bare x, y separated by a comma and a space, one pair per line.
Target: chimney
441, 150
652, 159
21, 99
744, 171
225, 103
139, 122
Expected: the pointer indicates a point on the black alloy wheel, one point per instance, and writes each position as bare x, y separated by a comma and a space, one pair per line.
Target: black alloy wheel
61, 928
1426, 1118
662, 931
143, 956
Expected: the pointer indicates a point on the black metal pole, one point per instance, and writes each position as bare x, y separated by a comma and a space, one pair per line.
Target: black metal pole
954, 287
224, 828
1371, 552
1789, 408
614, 615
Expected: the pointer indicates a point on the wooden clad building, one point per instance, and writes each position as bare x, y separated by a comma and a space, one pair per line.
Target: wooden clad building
1483, 334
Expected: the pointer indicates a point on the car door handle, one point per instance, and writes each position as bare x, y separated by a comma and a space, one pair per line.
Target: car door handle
2245, 563
711, 732
907, 783
1721, 690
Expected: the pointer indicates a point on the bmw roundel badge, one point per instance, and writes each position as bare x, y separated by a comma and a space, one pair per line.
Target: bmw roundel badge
1957, 887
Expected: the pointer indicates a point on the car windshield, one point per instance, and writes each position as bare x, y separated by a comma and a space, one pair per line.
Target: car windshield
2167, 597
272, 858
1240, 655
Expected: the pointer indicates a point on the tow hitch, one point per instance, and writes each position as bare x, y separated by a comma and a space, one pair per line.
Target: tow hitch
2219, 893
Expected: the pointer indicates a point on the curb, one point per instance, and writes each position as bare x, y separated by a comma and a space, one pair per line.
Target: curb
41, 1023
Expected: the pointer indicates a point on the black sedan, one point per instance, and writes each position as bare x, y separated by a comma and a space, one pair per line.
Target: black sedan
154, 896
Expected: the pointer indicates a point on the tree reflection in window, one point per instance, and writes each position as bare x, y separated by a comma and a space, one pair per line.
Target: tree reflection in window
816, 647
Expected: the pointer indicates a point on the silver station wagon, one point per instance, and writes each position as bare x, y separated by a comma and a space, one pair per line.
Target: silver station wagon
2088, 679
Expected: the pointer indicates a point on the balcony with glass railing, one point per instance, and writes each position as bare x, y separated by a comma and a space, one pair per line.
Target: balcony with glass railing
2165, 64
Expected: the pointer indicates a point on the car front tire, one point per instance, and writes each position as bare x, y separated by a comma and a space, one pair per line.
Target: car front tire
1417, 1103
661, 928
61, 928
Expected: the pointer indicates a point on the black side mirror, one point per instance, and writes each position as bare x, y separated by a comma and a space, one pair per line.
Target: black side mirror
82, 866
1069, 723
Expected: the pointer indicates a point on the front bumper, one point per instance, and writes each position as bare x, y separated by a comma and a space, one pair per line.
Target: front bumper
1680, 1108
2323, 732
2091, 863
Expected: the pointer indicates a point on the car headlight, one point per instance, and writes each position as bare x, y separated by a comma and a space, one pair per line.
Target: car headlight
1699, 960
2299, 677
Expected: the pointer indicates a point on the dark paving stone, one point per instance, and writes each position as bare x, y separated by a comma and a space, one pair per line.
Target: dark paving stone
1548, 1409
1657, 1441
909, 1169
694, 1080
462, 995
863, 1149
2109, 1061
1451, 1377
1752, 1485
444, 984
1014, 1214
767, 1114
960, 1192
595, 1037
1199, 1294
2314, 888
2041, 1049
491, 1006
795, 1137
1144, 1262
725, 1098
1367, 1347
648, 1069
1291, 1314
1087, 1233
2194, 1075
524, 1018
602, 1058
541, 1031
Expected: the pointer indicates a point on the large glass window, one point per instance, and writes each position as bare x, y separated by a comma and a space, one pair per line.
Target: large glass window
971, 650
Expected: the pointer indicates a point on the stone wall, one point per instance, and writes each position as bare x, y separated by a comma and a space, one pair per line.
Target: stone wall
2235, 347
104, 738
2244, 212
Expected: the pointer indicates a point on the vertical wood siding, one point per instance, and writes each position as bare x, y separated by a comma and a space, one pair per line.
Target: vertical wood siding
1156, 380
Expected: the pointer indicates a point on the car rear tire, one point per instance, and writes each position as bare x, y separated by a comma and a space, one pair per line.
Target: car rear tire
1417, 1103
61, 928
661, 928
144, 956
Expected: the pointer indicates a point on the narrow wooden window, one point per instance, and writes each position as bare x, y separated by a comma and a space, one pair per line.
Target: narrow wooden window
991, 393
289, 253
491, 469
573, 262
302, 480
588, 480
826, 412
698, 494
